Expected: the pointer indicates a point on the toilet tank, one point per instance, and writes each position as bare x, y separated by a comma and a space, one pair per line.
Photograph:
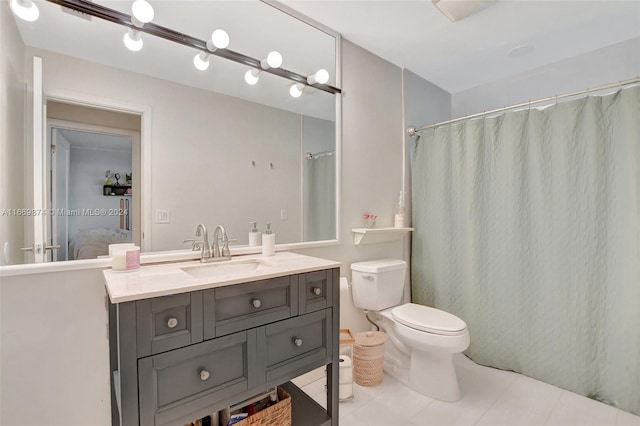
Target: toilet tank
378, 284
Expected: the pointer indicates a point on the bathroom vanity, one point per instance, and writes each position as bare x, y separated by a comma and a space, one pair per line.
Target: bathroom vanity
188, 339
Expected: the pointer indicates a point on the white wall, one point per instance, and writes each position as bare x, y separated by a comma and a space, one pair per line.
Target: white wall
55, 358
86, 178
611, 64
12, 107
202, 146
54, 348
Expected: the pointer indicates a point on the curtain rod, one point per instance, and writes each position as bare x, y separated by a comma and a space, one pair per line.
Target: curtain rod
413, 131
313, 156
123, 19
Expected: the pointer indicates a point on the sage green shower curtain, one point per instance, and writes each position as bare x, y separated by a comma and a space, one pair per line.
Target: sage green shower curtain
527, 226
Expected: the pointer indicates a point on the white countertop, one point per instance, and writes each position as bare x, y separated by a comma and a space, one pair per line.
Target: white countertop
170, 278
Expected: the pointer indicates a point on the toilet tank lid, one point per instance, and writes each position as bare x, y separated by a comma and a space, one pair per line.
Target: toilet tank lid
379, 265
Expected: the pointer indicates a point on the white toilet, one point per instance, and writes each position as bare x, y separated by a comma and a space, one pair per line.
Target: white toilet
422, 340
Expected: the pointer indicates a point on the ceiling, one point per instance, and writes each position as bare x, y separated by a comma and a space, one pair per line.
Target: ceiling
475, 50
93, 140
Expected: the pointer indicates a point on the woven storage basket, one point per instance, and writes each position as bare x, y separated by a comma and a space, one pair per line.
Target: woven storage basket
278, 414
368, 357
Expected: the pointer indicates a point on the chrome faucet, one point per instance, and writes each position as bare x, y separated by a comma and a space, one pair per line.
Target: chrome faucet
217, 252
211, 252
201, 230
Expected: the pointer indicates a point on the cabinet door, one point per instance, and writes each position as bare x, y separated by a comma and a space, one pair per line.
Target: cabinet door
291, 347
175, 384
240, 307
315, 291
168, 322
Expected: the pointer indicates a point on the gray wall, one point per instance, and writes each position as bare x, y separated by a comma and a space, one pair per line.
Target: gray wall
611, 64
86, 177
11, 136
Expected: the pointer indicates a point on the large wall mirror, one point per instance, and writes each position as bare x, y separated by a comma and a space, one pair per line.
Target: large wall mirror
147, 133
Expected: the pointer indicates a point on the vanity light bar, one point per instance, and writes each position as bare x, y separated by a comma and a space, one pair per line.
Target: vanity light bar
120, 18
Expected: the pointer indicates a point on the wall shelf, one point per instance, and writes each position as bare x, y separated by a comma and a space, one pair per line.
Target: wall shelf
117, 190
378, 235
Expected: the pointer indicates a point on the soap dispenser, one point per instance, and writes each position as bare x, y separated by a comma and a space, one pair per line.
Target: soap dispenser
255, 237
268, 242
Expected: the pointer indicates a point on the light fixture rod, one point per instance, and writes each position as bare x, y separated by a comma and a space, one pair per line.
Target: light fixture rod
120, 18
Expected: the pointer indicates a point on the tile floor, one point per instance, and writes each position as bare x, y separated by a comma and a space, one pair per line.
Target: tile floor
490, 397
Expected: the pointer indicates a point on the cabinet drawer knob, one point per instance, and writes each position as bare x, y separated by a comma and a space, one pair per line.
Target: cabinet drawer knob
317, 291
204, 375
172, 322
297, 341
256, 303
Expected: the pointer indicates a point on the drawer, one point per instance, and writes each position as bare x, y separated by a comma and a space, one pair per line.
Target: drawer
176, 383
315, 291
289, 348
168, 322
240, 307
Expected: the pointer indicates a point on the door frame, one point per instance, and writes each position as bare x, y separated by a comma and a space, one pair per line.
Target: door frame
53, 123
142, 217
53, 149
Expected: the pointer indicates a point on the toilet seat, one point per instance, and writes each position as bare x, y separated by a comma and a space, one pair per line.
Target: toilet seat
428, 319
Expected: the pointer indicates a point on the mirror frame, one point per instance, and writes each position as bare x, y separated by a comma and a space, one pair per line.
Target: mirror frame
145, 113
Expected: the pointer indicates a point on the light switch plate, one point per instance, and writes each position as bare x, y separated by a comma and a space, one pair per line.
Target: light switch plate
162, 216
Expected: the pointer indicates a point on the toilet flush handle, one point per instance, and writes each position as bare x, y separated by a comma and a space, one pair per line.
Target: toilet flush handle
367, 277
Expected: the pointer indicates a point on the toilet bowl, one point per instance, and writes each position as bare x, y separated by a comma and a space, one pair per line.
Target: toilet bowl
428, 362
422, 340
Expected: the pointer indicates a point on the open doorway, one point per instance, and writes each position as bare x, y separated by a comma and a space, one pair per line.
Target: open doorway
93, 181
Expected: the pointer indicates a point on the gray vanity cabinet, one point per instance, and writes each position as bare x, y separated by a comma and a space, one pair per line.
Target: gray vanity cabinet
316, 291
181, 357
176, 383
238, 307
290, 347
169, 322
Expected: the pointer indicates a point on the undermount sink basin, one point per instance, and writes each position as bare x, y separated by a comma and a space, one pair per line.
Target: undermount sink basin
225, 269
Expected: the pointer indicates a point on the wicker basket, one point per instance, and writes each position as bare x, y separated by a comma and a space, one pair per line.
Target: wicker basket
278, 414
368, 358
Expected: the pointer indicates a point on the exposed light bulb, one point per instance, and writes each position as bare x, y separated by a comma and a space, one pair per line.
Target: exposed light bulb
25, 10
251, 76
273, 60
142, 11
296, 90
201, 61
220, 39
321, 76
133, 40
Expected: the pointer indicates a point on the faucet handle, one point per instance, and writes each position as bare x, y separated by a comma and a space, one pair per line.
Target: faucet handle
224, 250
194, 243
